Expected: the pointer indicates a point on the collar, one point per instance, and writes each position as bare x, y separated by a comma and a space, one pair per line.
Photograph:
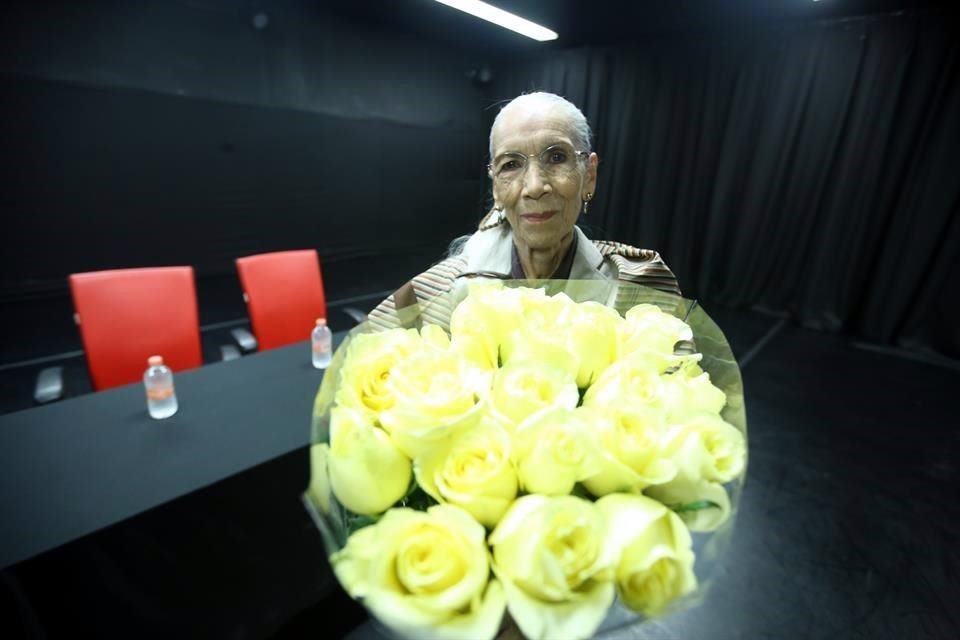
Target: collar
587, 262
492, 250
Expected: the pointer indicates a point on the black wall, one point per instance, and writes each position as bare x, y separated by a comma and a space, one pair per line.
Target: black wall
177, 133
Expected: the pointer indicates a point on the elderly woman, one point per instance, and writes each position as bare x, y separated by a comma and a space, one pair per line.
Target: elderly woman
543, 175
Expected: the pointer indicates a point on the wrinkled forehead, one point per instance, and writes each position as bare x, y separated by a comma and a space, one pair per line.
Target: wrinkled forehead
529, 130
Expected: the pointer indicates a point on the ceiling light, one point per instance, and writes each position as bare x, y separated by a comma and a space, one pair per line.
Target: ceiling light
260, 21
500, 17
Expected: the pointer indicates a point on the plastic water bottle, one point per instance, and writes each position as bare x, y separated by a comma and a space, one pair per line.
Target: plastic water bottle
321, 342
158, 381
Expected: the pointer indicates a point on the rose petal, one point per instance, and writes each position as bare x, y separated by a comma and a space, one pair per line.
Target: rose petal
570, 620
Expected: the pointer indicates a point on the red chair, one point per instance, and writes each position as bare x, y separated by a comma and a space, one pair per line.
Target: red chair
284, 295
128, 315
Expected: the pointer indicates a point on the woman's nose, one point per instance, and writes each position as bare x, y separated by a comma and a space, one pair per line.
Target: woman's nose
534, 181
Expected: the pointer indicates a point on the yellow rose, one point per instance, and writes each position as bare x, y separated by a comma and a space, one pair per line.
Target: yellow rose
367, 367
654, 549
704, 446
541, 324
368, 474
703, 506
434, 337
554, 449
636, 381
543, 348
473, 348
424, 574
521, 389
631, 441
685, 395
593, 336
436, 393
576, 338
473, 471
647, 328
550, 554
484, 320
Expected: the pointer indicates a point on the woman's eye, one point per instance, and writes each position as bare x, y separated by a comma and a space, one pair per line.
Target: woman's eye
510, 165
557, 157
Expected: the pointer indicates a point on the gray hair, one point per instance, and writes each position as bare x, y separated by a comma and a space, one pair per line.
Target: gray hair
579, 127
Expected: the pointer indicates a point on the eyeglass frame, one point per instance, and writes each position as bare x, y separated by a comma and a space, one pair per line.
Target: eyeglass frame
579, 155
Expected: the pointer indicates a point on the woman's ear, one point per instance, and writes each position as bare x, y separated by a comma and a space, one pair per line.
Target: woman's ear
497, 200
591, 183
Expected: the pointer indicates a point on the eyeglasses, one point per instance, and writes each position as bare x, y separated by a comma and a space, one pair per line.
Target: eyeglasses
558, 160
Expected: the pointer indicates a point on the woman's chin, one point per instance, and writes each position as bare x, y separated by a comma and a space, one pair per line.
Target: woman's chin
541, 238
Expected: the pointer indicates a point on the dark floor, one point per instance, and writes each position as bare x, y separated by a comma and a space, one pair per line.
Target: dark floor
847, 528
849, 522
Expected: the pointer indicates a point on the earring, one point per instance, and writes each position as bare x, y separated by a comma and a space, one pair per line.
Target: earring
587, 197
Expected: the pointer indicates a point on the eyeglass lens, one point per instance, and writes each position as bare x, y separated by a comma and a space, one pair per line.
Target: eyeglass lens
554, 160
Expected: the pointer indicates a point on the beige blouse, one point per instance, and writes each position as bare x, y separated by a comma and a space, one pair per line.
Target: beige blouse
488, 253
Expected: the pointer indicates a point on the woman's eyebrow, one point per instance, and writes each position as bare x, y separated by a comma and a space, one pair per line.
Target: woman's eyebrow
542, 149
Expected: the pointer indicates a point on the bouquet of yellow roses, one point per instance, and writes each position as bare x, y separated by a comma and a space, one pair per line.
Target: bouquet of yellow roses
556, 456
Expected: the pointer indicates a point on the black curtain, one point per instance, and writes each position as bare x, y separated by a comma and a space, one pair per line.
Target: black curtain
811, 169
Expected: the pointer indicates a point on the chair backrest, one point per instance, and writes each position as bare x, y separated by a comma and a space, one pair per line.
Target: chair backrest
284, 294
127, 315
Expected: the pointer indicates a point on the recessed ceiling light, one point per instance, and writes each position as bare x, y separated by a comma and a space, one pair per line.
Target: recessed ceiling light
260, 21
503, 18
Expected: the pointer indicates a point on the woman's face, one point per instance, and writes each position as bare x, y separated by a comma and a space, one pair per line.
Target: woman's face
541, 203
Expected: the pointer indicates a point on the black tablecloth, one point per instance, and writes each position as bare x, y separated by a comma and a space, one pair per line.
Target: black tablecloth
115, 523
74, 467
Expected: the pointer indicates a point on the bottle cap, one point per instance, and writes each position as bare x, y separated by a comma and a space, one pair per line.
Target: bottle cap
155, 361
321, 322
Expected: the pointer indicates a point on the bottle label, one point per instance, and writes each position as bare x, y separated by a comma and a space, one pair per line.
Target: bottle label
160, 394
321, 348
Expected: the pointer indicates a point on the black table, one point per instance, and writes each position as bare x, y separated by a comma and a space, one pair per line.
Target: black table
74, 467
117, 524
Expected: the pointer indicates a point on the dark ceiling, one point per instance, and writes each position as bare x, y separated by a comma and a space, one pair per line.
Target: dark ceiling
599, 22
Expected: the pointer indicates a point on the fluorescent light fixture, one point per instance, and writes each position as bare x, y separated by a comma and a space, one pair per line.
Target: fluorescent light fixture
502, 18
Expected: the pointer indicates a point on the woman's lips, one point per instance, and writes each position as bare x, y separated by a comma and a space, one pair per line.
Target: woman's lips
537, 218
